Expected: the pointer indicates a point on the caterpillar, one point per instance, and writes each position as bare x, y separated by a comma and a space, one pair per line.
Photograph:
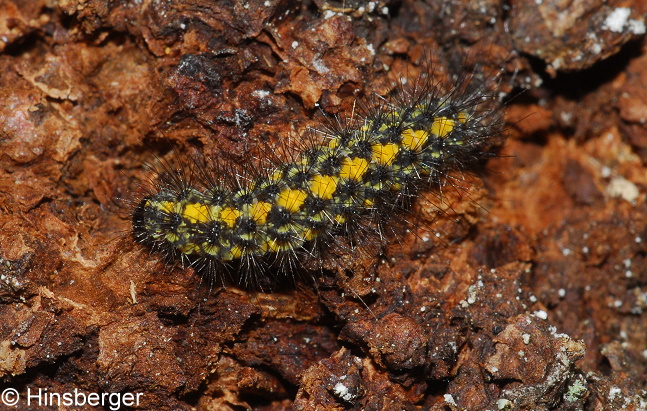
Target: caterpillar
356, 173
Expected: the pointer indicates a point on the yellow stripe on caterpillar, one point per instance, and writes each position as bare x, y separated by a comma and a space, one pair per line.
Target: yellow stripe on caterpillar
323, 186
385, 153
353, 169
442, 126
291, 200
414, 140
229, 215
259, 211
196, 213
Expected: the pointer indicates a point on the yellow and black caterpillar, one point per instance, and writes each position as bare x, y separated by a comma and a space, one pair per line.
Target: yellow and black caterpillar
361, 176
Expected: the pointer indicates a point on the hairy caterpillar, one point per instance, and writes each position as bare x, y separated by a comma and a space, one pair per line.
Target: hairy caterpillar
364, 173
